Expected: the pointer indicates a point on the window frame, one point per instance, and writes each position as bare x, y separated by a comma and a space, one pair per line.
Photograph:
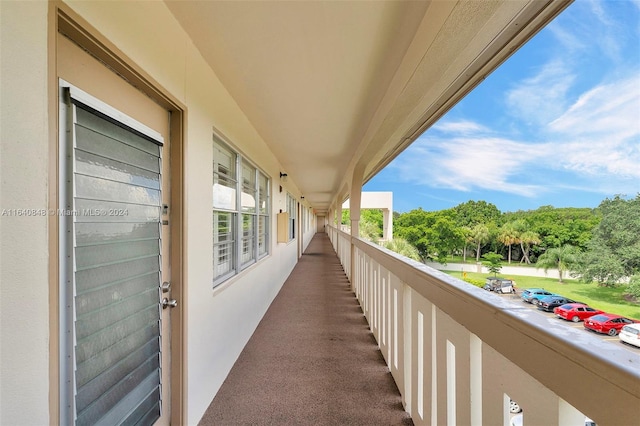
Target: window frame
249, 225
292, 207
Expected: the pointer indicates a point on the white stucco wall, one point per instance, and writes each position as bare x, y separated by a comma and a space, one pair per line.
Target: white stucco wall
24, 293
220, 321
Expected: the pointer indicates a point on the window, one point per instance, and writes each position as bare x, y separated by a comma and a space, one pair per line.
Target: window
240, 213
291, 209
263, 213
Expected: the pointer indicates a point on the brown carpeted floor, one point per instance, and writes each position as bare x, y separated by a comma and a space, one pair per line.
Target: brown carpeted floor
312, 360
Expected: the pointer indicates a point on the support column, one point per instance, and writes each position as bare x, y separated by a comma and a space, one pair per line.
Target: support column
355, 196
387, 225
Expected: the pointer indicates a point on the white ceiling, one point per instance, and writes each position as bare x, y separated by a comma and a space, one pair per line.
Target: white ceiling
333, 86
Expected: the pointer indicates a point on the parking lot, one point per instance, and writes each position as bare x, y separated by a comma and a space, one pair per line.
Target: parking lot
613, 339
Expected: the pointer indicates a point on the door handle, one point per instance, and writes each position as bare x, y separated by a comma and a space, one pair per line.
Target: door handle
169, 303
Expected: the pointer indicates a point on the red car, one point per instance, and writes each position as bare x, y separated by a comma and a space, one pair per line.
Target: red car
575, 312
607, 323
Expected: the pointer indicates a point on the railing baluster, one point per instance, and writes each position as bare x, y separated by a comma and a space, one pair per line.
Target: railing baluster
446, 374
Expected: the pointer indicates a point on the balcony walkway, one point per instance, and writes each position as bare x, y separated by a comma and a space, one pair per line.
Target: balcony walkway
312, 360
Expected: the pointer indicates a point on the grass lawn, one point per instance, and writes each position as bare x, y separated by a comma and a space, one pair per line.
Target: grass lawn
472, 260
607, 299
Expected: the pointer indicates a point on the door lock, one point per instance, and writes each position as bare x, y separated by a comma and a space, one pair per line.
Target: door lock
171, 303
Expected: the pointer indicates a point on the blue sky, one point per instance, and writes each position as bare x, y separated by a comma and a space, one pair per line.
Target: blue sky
557, 124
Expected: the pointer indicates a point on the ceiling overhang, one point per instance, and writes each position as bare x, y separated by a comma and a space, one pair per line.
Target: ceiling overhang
338, 86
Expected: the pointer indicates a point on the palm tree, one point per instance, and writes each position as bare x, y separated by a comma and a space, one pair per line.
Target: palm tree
467, 239
508, 236
562, 258
527, 239
370, 231
402, 247
479, 235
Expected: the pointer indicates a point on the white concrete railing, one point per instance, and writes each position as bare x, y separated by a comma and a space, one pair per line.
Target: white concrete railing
459, 354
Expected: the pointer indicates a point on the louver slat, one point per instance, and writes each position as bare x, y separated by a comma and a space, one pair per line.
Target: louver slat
117, 273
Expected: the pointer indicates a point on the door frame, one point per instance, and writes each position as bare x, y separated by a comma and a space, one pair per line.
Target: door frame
62, 19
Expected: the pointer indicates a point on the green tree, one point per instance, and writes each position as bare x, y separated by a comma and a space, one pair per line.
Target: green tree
370, 223
434, 234
346, 217
473, 213
527, 239
558, 226
369, 231
563, 258
614, 250
602, 266
413, 227
508, 236
633, 289
402, 247
493, 262
479, 235
468, 239
373, 216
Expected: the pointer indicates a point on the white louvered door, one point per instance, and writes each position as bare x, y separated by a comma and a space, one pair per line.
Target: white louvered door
114, 186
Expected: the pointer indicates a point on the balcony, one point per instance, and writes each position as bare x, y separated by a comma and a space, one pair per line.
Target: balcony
456, 353
327, 93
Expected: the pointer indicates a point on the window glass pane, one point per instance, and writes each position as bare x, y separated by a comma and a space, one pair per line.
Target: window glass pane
262, 235
224, 178
291, 209
263, 194
248, 238
223, 243
248, 187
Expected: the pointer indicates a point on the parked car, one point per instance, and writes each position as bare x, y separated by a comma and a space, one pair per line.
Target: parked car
610, 324
499, 285
549, 303
533, 295
576, 312
630, 334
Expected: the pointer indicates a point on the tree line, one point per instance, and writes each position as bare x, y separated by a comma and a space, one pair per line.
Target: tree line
600, 244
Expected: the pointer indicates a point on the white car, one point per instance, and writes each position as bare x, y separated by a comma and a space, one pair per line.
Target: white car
630, 334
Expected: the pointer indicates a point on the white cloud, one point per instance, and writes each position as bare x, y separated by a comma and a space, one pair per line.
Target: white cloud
538, 99
584, 136
594, 143
600, 133
599, 12
460, 127
590, 28
568, 40
463, 164
613, 107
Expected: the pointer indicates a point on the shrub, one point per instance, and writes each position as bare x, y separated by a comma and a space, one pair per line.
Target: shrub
477, 283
